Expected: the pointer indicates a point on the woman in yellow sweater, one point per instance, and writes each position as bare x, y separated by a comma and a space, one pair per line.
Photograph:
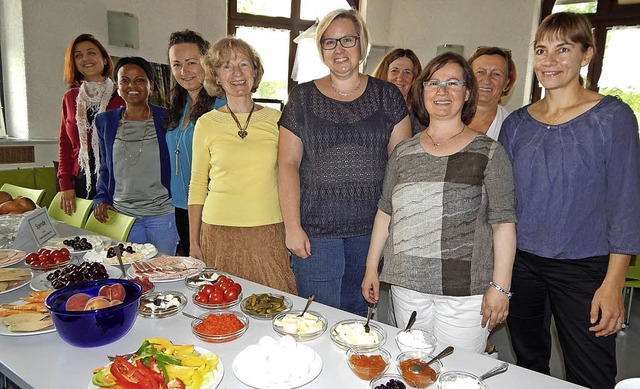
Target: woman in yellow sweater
234, 213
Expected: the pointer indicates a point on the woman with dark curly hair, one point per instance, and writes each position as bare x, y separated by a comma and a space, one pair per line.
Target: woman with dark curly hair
188, 101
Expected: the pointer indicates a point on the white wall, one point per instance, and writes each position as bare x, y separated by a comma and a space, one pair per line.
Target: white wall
35, 34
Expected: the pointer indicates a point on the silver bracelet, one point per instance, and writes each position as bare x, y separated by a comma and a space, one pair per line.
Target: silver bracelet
501, 289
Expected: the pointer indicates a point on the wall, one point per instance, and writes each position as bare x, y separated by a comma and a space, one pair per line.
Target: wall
423, 25
35, 33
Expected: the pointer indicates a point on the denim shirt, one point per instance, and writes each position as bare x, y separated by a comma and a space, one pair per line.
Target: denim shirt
577, 184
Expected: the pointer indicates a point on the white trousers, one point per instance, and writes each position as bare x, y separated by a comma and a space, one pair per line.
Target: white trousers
454, 321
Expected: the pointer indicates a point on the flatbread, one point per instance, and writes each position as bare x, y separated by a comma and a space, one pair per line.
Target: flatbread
4, 286
14, 274
30, 326
23, 317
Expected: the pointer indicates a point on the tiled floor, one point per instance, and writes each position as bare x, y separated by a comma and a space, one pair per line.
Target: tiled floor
628, 343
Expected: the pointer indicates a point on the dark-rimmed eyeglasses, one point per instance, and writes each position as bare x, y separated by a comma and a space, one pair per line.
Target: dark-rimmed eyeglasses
346, 42
435, 85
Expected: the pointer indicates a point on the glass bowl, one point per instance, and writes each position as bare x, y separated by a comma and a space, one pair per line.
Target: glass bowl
265, 306
387, 379
351, 333
219, 337
366, 364
226, 305
158, 305
416, 340
309, 327
206, 277
457, 379
96, 327
429, 374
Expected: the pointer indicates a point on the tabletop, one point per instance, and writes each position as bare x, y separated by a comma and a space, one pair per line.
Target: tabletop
45, 361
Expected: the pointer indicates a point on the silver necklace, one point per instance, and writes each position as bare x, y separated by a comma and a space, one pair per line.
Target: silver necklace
438, 144
129, 156
554, 120
345, 94
179, 134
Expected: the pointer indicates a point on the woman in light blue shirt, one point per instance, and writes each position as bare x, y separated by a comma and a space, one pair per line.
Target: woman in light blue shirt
188, 101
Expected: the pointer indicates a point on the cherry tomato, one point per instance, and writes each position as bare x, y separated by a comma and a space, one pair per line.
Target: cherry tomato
223, 286
208, 289
220, 278
65, 251
202, 298
231, 293
31, 258
216, 288
226, 281
216, 298
43, 251
60, 260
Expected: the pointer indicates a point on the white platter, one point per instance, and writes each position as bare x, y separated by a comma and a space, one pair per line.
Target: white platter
218, 373
157, 271
40, 281
142, 252
260, 382
57, 242
4, 331
13, 285
10, 257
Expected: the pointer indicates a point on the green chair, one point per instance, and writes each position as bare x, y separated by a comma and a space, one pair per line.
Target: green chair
632, 281
78, 218
14, 190
116, 228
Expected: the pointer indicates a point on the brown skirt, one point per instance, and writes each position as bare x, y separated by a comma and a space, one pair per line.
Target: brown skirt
257, 254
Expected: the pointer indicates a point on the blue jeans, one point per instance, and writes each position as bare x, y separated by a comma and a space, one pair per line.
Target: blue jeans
334, 272
160, 231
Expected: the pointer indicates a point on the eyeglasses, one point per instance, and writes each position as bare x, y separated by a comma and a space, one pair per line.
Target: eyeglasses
449, 84
345, 41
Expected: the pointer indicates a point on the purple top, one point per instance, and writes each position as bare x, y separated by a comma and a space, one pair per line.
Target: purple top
577, 184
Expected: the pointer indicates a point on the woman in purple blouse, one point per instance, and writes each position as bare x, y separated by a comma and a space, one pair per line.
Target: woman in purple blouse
576, 166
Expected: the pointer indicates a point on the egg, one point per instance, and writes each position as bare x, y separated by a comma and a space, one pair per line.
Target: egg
267, 342
288, 343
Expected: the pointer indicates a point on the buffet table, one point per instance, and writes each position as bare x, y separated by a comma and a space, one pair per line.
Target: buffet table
46, 361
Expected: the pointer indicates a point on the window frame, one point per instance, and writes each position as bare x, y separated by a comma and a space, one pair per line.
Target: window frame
608, 14
294, 24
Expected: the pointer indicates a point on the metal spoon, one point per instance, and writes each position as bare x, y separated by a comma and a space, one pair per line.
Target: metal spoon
116, 248
190, 315
412, 319
418, 367
309, 300
501, 368
370, 308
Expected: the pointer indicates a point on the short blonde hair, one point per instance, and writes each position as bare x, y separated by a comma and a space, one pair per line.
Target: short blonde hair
220, 53
358, 23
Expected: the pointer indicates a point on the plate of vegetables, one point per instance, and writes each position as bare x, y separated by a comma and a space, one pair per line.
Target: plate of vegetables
157, 363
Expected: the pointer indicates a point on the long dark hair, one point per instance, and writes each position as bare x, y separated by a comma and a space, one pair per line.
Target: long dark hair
178, 95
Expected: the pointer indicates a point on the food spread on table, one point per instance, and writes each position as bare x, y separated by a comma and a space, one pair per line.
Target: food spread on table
131, 252
10, 257
13, 277
73, 274
158, 363
27, 315
45, 259
75, 243
166, 268
108, 296
294, 324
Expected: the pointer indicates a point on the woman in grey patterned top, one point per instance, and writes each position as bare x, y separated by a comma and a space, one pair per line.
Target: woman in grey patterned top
447, 216
335, 137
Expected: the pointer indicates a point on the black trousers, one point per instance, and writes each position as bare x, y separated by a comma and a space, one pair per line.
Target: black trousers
563, 288
182, 224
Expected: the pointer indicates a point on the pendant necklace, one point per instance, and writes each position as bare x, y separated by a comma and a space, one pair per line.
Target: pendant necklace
130, 156
554, 120
438, 144
345, 94
242, 133
179, 134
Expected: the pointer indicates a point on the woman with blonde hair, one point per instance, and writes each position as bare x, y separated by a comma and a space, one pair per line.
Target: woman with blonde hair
336, 134
234, 214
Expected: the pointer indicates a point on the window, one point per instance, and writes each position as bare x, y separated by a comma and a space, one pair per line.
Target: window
3, 129
617, 31
271, 27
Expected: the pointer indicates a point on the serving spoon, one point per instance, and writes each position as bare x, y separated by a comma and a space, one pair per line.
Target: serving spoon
412, 320
309, 300
501, 368
370, 308
418, 367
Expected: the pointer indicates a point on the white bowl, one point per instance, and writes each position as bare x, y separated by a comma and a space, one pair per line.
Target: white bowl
416, 340
629, 383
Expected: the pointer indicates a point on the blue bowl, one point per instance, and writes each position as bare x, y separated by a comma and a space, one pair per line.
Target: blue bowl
96, 327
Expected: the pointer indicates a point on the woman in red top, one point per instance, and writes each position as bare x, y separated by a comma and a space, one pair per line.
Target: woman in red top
87, 71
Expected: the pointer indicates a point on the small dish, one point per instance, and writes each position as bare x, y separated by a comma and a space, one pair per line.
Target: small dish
302, 329
159, 305
391, 379
225, 305
367, 365
265, 306
429, 374
216, 316
416, 340
351, 333
207, 277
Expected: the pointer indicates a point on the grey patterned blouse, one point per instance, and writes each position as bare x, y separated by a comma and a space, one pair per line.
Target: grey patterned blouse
440, 237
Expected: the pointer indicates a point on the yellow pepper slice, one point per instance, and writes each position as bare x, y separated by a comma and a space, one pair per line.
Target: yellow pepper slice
163, 345
197, 380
